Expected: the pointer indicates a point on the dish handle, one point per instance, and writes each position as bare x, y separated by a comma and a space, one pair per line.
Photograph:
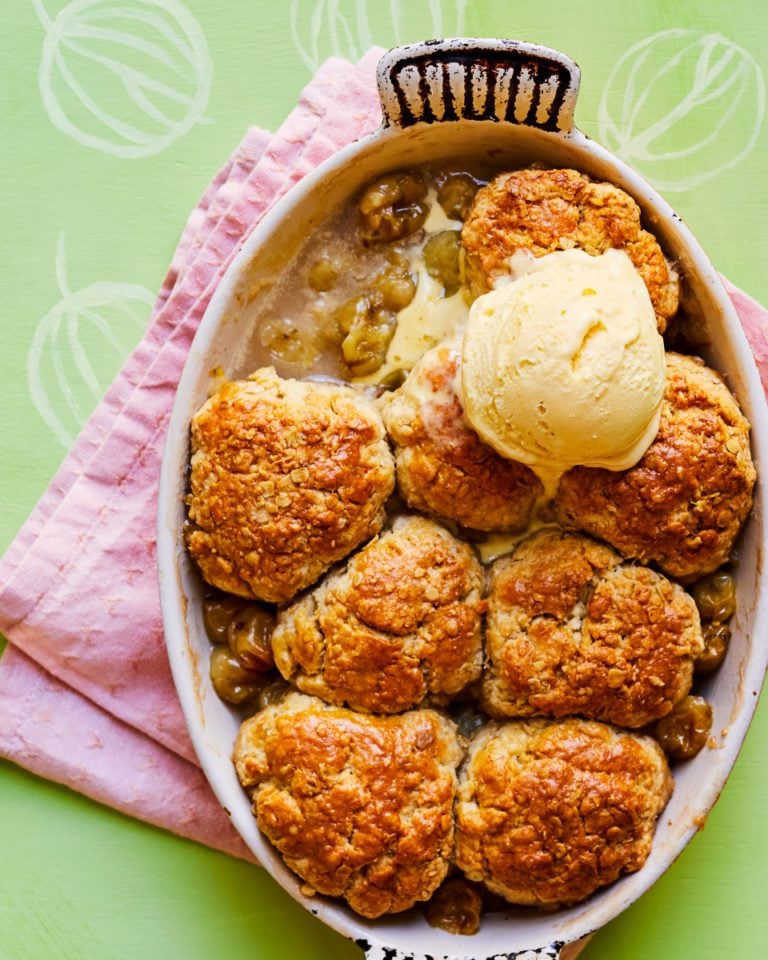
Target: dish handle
474, 79
378, 952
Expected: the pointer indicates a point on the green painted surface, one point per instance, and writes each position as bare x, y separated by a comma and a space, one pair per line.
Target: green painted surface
96, 188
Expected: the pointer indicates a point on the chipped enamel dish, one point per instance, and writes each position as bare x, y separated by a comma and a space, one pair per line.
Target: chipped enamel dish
445, 101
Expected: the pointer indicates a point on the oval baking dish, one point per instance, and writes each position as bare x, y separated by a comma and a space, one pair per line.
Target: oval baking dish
448, 101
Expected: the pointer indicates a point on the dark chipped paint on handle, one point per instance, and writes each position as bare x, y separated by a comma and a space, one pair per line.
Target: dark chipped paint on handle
377, 952
474, 79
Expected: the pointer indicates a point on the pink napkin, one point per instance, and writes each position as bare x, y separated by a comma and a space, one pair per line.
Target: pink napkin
86, 696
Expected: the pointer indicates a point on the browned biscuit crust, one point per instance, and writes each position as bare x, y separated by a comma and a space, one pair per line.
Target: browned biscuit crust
572, 630
547, 812
546, 210
287, 478
682, 505
360, 807
402, 622
443, 467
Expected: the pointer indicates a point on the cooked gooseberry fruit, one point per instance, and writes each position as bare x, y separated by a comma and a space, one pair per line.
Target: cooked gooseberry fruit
394, 289
218, 611
249, 636
365, 347
323, 274
455, 193
393, 380
456, 907
272, 692
368, 330
393, 207
683, 732
231, 680
351, 313
287, 342
441, 258
717, 636
715, 596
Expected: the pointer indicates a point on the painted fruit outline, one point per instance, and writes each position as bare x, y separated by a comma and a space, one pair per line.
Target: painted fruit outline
64, 384
711, 126
108, 34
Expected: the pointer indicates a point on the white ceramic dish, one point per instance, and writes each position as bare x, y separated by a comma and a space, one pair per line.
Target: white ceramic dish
447, 100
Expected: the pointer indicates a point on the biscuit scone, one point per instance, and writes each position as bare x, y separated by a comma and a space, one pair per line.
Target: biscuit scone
540, 211
683, 504
401, 622
547, 812
443, 467
287, 477
360, 807
572, 630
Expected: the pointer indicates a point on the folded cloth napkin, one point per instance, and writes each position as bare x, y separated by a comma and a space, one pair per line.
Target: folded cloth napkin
86, 696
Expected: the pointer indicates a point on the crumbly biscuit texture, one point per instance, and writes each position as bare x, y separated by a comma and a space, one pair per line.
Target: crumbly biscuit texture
572, 630
682, 505
548, 812
360, 807
443, 467
541, 211
287, 477
400, 623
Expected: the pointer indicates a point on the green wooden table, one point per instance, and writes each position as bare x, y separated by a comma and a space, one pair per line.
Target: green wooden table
96, 188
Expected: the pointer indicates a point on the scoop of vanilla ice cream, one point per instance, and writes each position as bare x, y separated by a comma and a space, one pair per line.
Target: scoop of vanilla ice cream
564, 365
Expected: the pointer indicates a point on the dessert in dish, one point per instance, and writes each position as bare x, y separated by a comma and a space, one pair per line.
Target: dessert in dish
574, 631
607, 473
443, 467
360, 806
564, 366
286, 478
549, 812
381, 641
681, 506
541, 211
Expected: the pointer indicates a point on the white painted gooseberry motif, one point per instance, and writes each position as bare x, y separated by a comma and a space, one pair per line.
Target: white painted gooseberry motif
127, 77
79, 346
682, 106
